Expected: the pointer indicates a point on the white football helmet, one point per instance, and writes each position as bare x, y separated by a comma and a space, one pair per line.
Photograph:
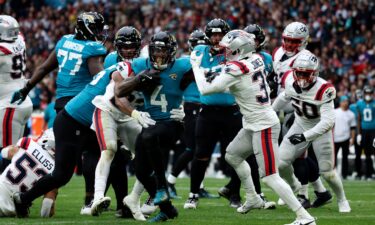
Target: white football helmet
9, 28
238, 44
295, 37
305, 69
47, 141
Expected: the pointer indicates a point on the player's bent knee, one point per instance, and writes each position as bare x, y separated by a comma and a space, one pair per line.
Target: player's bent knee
325, 167
232, 159
107, 155
111, 146
283, 164
270, 179
329, 175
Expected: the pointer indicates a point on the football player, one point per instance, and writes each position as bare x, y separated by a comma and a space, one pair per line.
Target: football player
109, 123
21, 176
191, 108
366, 127
244, 76
78, 57
312, 98
171, 77
295, 38
76, 117
12, 67
219, 119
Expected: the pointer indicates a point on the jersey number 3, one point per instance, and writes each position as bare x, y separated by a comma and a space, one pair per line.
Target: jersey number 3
263, 98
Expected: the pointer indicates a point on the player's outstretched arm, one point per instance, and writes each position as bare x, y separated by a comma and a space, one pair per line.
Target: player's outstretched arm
9, 151
122, 103
41, 71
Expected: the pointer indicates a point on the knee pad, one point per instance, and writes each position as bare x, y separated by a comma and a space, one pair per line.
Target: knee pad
325, 166
328, 175
111, 145
233, 160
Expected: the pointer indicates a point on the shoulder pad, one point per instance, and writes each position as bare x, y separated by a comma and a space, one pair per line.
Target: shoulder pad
236, 68
326, 93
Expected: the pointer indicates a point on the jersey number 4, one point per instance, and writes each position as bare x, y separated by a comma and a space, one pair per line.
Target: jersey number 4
163, 100
22, 164
70, 56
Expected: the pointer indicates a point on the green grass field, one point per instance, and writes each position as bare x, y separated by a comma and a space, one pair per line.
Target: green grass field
361, 195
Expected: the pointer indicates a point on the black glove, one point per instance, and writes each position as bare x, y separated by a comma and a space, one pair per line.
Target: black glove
148, 80
297, 138
272, 81
210, 76
20, 95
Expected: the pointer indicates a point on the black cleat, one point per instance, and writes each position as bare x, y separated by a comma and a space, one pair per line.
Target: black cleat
164, 216
224, 192
235, 201
124, 212
305, 202
22, 209
322, 198
203, 193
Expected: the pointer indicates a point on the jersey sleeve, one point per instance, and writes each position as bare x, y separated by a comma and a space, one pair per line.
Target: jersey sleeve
236, 68
139, 64
280, 102
24, 143
353, 121
327, 120
110, 60
95, 49
326, 93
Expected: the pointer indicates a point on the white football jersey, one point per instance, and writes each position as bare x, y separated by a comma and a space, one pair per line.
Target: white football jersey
283, 63
246, 80
104, 102
314, 108
28, 165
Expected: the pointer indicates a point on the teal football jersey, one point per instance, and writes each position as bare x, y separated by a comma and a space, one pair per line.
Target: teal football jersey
81, 107
367, 112
72, 55
267, 59
212, 62
168, 95
111, 59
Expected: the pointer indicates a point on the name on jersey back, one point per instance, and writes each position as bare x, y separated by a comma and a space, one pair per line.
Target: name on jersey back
74, 46
40, 157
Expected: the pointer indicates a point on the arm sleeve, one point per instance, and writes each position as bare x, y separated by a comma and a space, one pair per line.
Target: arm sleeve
327, 120
217, 85
281, 102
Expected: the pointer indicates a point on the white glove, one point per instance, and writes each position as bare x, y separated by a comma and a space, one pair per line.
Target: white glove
373, 143
143, 118
178, 114
196, 58
359, 139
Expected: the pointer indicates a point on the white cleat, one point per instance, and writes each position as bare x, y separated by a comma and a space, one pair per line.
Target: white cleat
247, 206
134, 206
191, 203
148, 207
99, 205
269, 205
280, 202
86, 210
303, 221
344, 206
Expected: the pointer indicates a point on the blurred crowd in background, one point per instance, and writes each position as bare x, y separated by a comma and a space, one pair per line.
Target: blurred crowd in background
340, 31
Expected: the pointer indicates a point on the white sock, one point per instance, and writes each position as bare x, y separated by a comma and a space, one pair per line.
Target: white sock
283, 190
137, 190
192, 195
102, 172
243, 171
304, 190
318, 186
335, 183
171, 179
302, 213
202, 185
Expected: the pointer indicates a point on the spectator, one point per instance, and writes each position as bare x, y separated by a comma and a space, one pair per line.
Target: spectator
344, 133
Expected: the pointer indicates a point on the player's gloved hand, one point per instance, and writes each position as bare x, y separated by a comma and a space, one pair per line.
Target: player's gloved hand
178, 114
359, 139
149, 77
272, 81
19, 96
143, 118
297, 138
196, 58
210, 75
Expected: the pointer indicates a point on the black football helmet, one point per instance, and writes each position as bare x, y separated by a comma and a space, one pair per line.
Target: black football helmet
162, 50
260, 36
128, 42
217, 26
91, 26
198, 37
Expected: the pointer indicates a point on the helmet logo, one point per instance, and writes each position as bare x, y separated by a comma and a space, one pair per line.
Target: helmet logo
88, 18
303, 29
